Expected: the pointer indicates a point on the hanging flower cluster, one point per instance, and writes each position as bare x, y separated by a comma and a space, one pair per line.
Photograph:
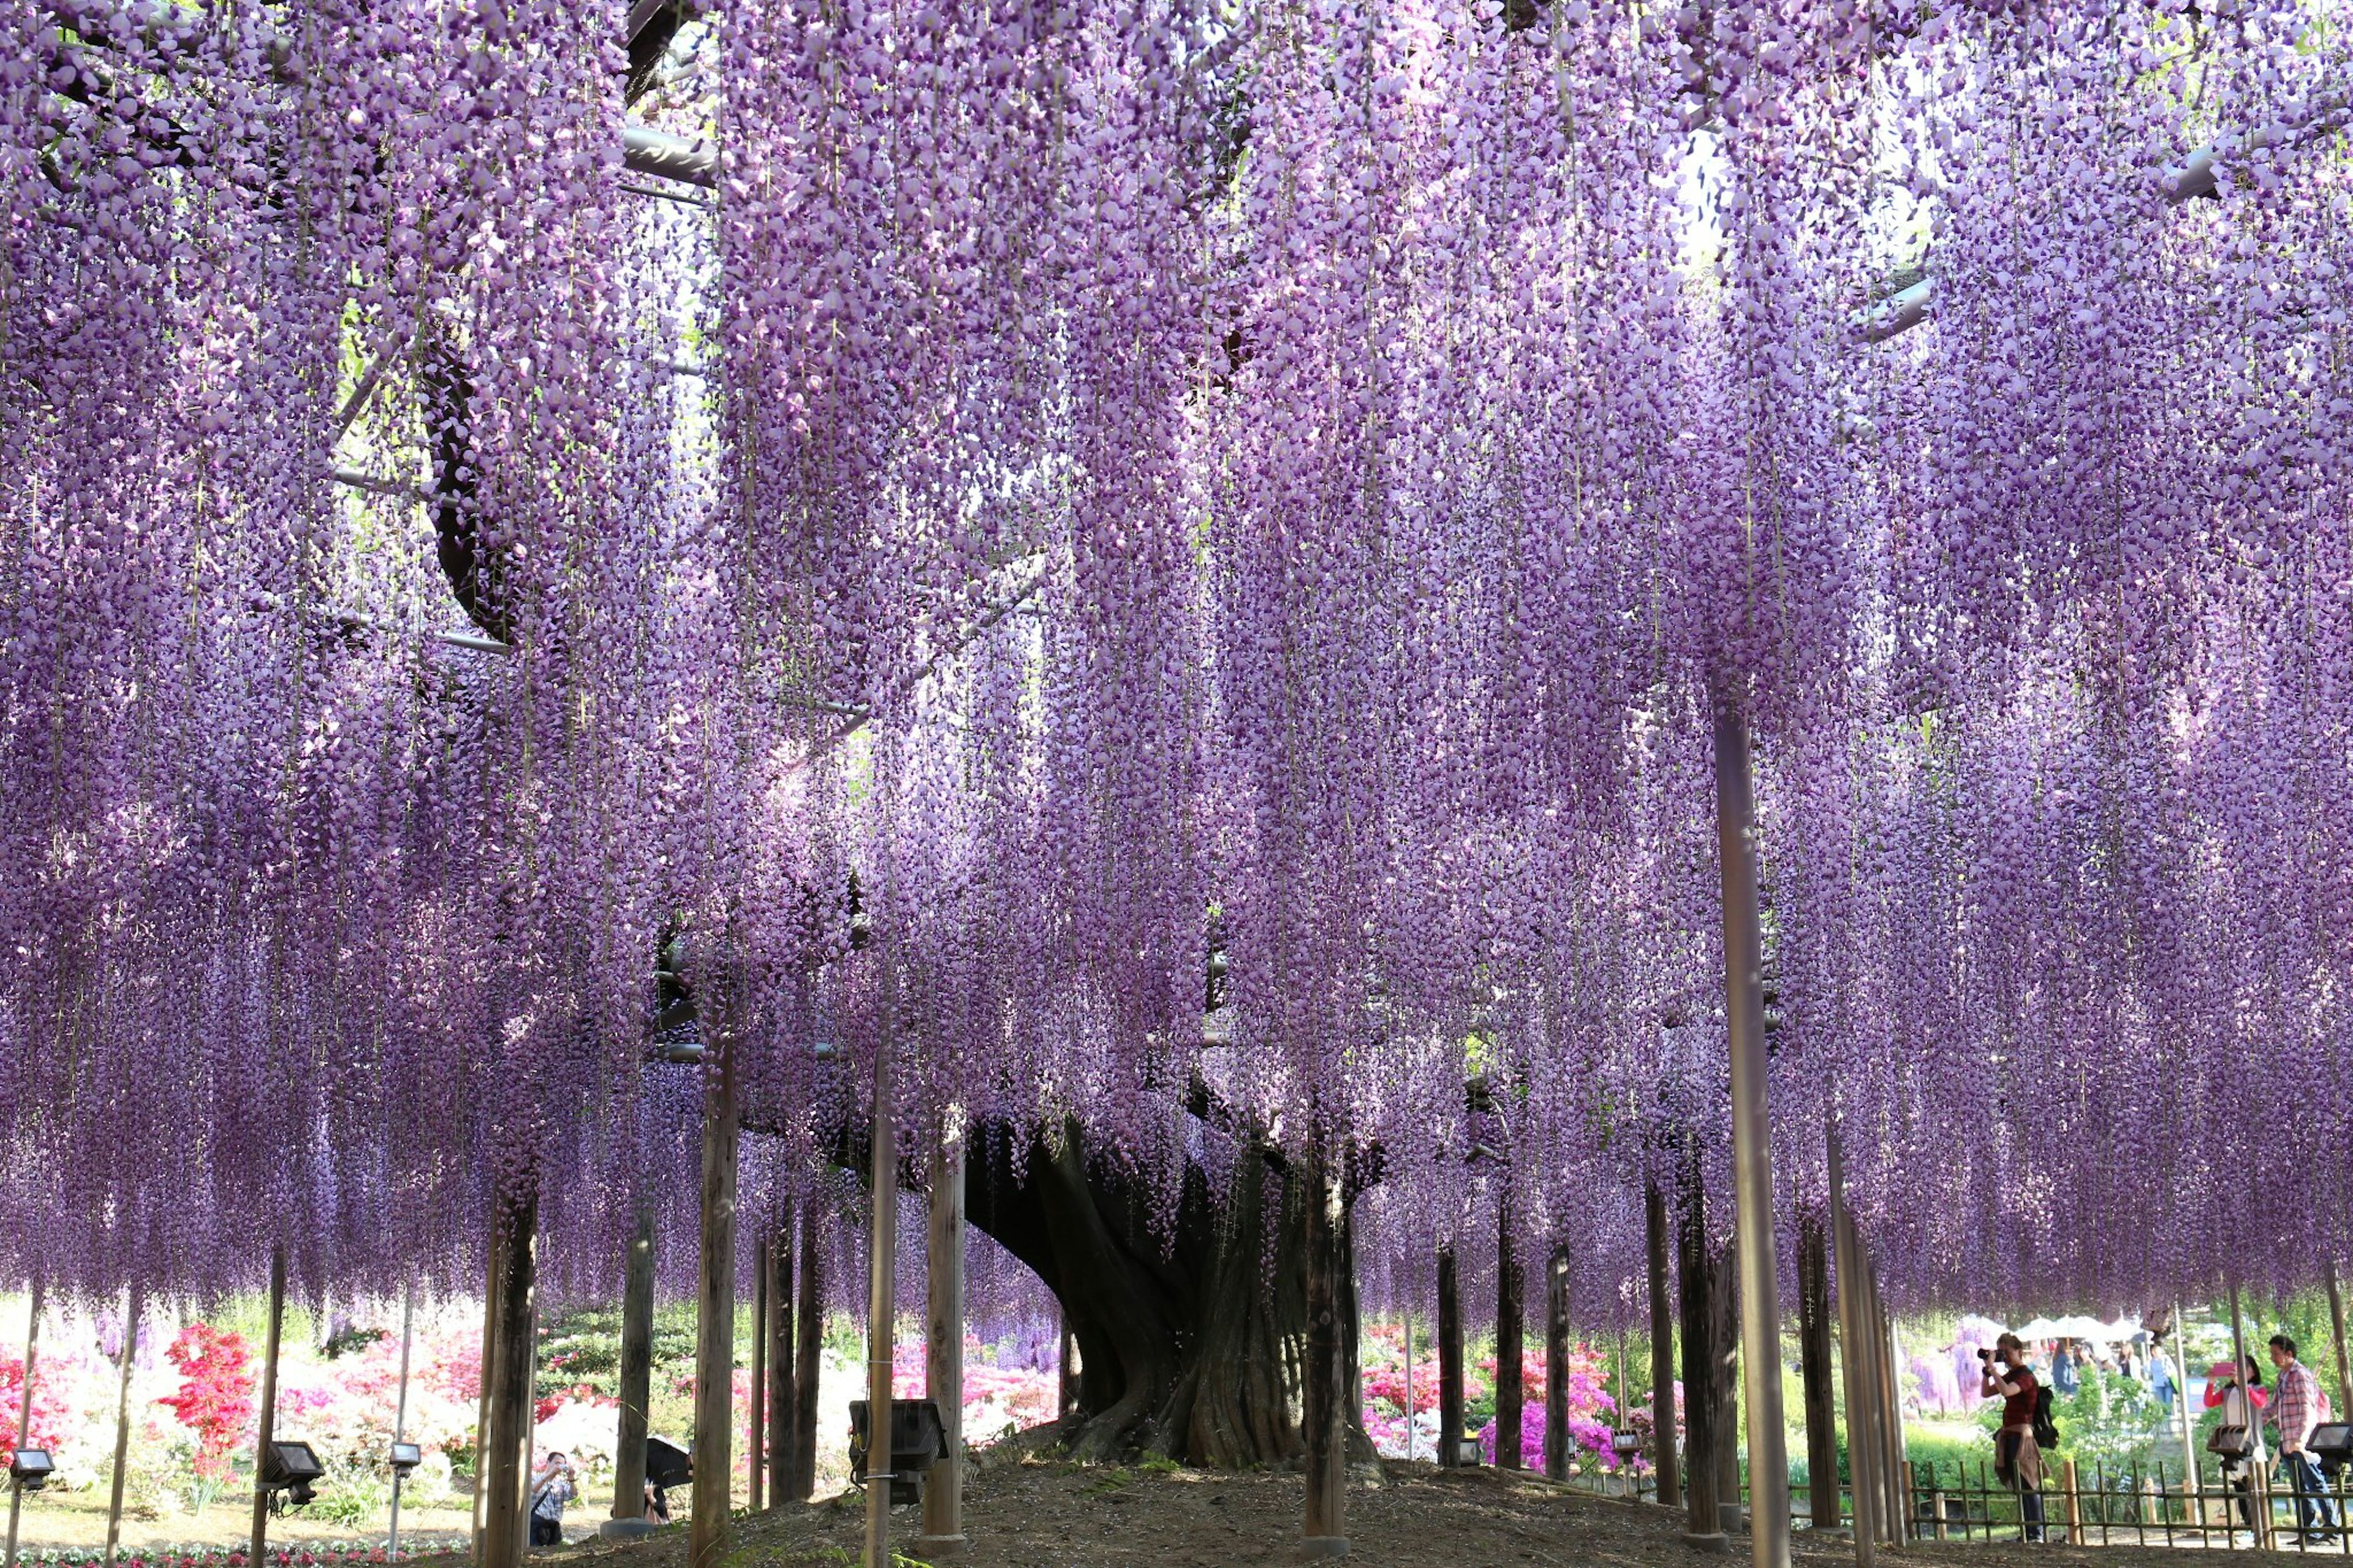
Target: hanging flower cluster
1163, 555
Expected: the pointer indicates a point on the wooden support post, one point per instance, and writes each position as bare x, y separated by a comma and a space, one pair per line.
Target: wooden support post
944, 1347
1511, 1291
715, 1303
23, 1419
1752, 1160
784, 1392
267, 1416
756, 1425
1851, 1364
882, 1299
807, 1358
1664, 1459
2075, 1502
1324, 1381
1408, 1385
1891, 1421
400, 1412
1704, 1521
1449, 1360
637, 1369
1557, 1438
2337, 1333
133, 1308
490, 1363
1814, 1370
504, 1466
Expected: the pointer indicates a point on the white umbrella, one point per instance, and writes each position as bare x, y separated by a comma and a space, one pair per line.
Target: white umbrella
2041, 1328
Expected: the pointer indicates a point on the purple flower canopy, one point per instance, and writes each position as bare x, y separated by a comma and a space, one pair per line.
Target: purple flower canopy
1088, 487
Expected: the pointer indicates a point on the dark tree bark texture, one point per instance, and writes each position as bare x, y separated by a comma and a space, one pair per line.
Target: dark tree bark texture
1814, 1369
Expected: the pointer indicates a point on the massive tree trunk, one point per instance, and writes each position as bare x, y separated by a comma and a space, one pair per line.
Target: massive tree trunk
1190, 1340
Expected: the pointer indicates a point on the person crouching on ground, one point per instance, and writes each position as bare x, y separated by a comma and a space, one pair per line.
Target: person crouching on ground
2016, 1458
551, 1488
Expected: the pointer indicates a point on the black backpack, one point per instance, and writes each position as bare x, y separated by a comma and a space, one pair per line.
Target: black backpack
2046, 1430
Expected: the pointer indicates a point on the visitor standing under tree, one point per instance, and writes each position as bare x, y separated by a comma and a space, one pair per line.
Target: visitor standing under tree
2017, 1459
2294, 1412
551, 1488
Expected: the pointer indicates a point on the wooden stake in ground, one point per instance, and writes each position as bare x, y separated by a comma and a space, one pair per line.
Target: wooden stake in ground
123, 1422
882, 1299
1663, 1464
714, 1302
944, 1347
1510, 1290
23, 1419
807, 1358
637, 1370
784, 1395
1449, 1360
266, 1418
1557, 1439
1814, 1370
1324, 1381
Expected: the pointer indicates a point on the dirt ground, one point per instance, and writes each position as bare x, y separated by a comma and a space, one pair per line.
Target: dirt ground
1037, 1513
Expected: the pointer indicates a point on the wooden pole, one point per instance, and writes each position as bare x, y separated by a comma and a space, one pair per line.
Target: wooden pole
1760, 1303
1852, 1339
400, 1410
1664, 1462
266, 1418
1511, 1291
1899, 1501
1449, 1360
1323, 1415
715, 1304
2337, 1332
1704, 1520
1814, 1370
1409, 1383
807, 1358
24, 1420
882, 1299
131, 1308
783, 1391
1557, 1438
755, 1426
944, 1346
489, 1366
505, 1467
637, 1370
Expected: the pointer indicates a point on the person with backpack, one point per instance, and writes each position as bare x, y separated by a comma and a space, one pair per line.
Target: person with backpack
551, 1488
2297, 1406
2017, 1450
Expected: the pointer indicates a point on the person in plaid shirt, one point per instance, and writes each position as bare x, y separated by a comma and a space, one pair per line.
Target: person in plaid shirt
2295, 1411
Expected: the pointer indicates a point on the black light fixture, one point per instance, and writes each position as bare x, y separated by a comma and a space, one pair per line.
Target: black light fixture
405, 1457
918, 1440
289, 1469
30, 1468
2332, 1443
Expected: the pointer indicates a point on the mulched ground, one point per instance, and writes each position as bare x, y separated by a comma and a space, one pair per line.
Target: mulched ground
1034, 1511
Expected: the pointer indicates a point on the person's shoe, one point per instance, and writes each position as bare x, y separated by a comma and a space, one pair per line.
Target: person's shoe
2320, 1538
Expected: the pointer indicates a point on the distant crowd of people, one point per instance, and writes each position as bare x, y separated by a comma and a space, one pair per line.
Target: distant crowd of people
2292, 1407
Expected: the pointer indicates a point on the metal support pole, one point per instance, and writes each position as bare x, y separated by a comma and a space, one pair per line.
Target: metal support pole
1851, 1364
1663, 1463
268, 1417
715, 1327
882, 1299
400, 1412
944, 1346
132, 1309
24, 1420
1761, 1303
636, 1386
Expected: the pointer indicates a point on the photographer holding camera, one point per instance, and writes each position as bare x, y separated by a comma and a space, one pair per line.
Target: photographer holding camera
2017, 1459
551, 1488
